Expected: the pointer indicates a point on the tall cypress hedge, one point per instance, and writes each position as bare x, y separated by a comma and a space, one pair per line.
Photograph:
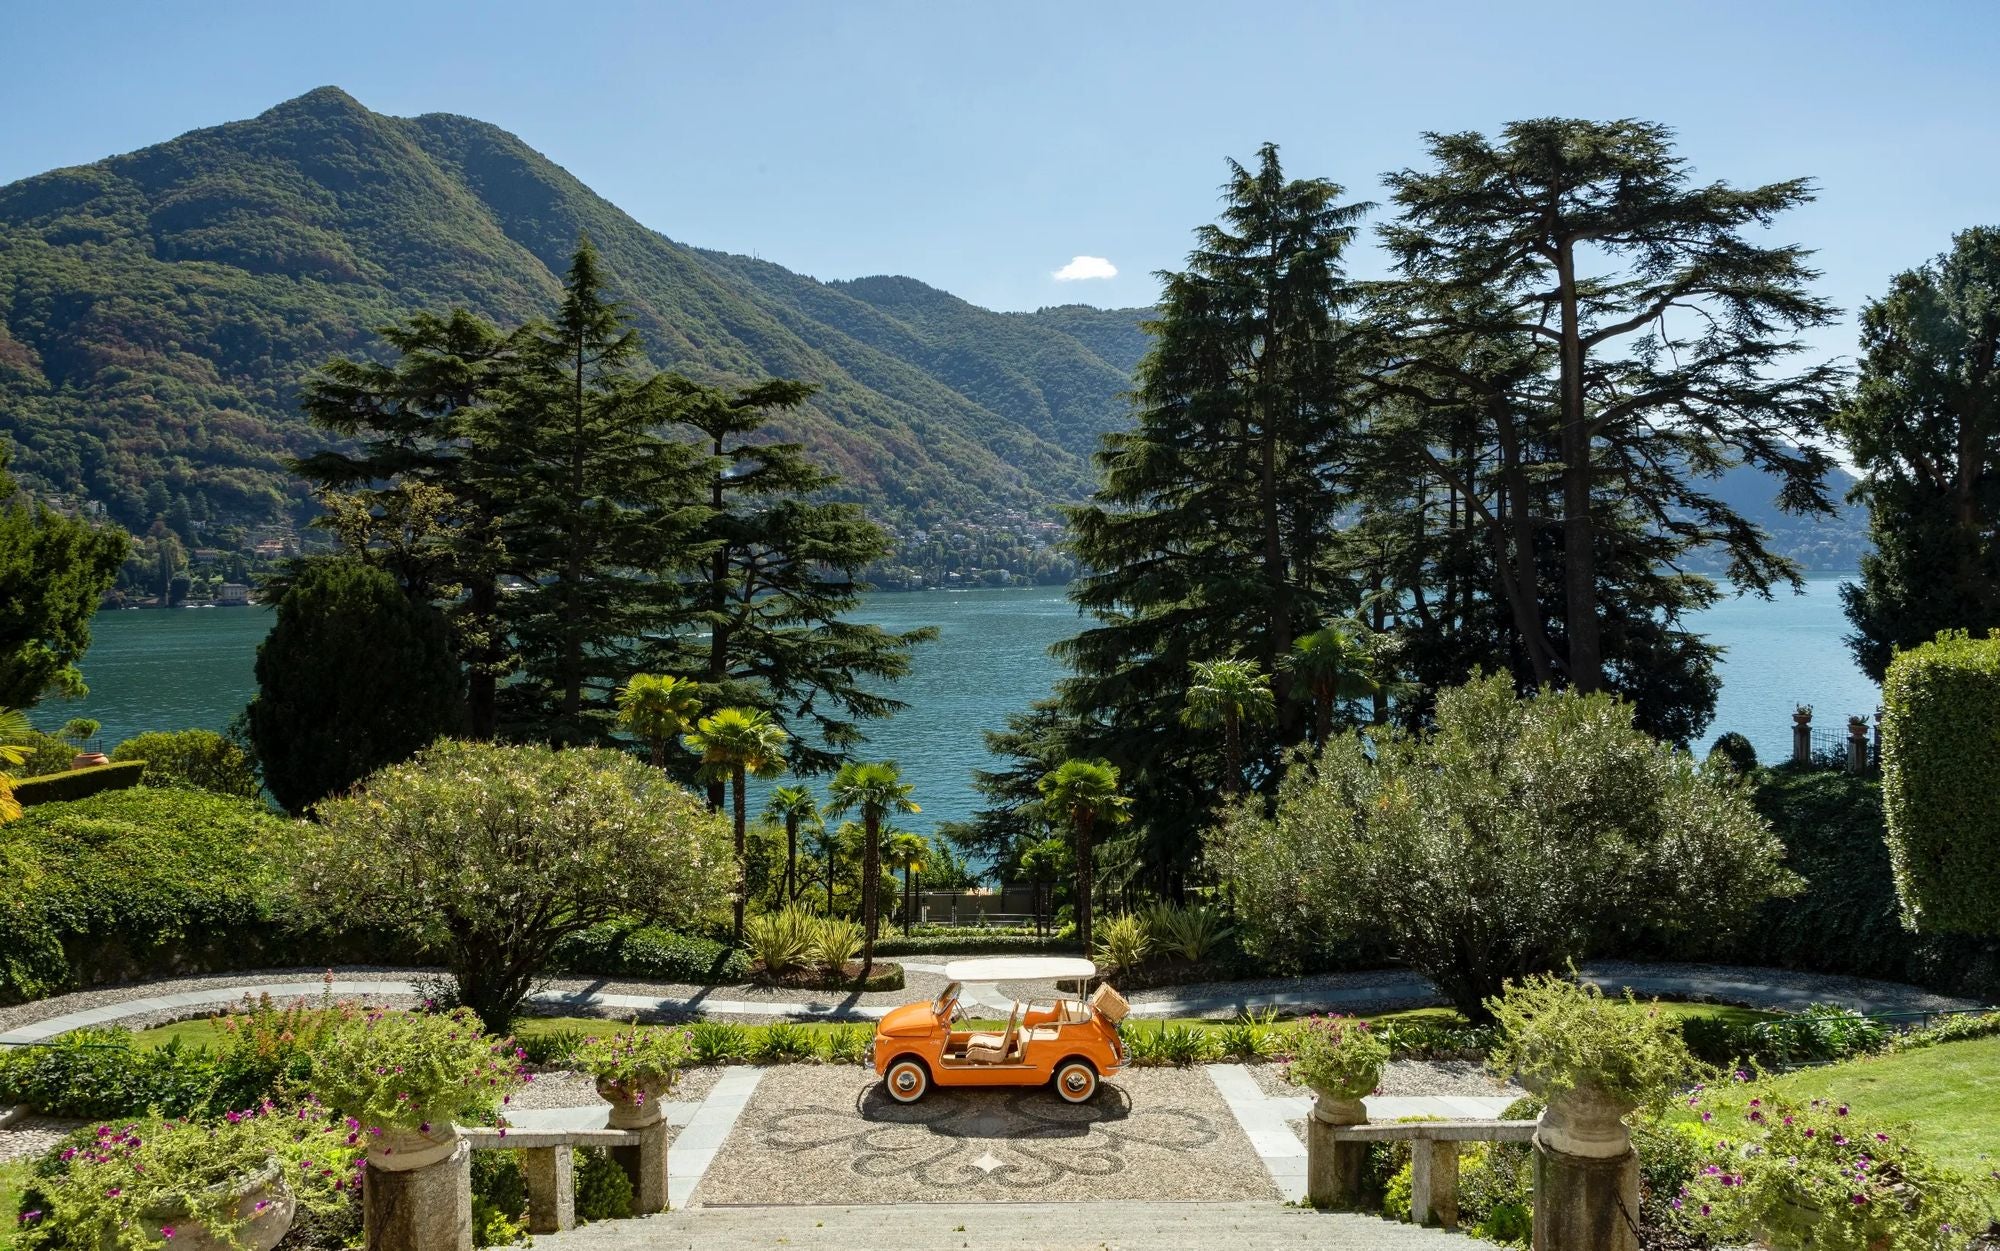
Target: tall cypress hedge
1941, 783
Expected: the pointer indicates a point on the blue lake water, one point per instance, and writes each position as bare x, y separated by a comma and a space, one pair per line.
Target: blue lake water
155, 670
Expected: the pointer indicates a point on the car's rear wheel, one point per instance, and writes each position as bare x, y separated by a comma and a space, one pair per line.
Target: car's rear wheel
907, 1080
1076, 1081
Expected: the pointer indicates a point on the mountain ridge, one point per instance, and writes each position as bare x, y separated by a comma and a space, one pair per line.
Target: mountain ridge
158, 308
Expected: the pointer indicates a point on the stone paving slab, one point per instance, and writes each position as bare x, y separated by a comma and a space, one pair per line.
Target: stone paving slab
816, 1135
1125, 1226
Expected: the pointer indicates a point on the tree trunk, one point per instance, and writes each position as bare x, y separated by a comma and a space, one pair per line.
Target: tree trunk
1086, 882
1523, 593
830, 858
1322, 716
1586, 652
909, 900
742, 870
871, 873
572, 661
1232, 751
791, 857
481, 683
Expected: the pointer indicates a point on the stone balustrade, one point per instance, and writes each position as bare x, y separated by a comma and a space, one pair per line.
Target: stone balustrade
545, 1157
1433, 1157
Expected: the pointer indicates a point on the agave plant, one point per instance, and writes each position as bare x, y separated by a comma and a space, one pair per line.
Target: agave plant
835, 941
1193, 934
782, 940
1122, 943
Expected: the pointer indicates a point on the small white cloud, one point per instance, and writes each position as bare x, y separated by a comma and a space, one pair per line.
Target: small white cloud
1082, 267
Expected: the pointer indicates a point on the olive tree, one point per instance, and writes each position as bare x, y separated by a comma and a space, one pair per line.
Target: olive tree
489, 856
1507, 840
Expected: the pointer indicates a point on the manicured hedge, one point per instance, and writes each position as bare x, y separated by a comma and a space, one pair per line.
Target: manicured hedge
1941, 783
201, 759
131, 883
974, 942
1847, 920
72, 784
621, 949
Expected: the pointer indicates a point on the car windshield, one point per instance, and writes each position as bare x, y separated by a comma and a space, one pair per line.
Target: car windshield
946, 998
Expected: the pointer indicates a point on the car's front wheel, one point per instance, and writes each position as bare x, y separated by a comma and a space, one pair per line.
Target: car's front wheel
1076, 1081
906, 1080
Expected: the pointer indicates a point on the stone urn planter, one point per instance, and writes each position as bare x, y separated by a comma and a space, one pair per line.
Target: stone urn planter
1586, 1175
416, 1193
88, 760
264, 1204
638, 1103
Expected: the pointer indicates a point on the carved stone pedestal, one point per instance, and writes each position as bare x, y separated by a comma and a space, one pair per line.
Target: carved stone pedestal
427, 1208
1334, 1168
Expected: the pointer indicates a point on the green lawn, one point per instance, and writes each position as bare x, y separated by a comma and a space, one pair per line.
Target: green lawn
1949, 1094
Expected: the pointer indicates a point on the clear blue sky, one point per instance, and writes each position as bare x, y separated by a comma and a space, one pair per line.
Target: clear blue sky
981, 146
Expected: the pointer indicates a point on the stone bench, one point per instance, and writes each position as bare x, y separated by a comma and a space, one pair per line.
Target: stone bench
545, 1141
1434, 1157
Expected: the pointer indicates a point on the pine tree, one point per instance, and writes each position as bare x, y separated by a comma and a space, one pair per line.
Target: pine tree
763, 610
1215, 528
405, 424
1581, 299
592, 504
1924, 427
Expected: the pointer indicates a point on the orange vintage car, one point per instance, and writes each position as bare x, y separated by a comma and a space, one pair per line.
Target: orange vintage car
1069, 1042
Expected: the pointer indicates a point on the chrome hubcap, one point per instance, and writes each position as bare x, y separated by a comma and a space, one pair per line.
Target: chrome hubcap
906, 1080
1076, 1080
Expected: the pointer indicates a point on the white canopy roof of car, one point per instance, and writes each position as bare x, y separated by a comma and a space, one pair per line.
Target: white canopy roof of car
1019, 969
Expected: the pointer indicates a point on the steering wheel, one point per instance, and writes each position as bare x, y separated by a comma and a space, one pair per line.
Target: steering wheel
958, 1015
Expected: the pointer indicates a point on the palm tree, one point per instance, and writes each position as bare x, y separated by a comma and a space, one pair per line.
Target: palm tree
830, 843
1333, 665
1084, 793
1041, 864
794, 806
659, 708
876, 790
906, 852
1231, 694
736, 742
14, 735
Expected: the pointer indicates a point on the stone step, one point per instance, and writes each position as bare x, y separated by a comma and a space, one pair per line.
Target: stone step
1000, 1227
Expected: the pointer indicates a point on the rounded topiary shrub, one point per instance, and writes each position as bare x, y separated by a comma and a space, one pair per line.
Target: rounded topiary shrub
1941, 782
1735, 750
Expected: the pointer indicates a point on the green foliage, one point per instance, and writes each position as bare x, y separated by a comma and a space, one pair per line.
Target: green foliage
1920, 423
131, 1186
845, 1044
492, 855
603, 1191
1558, 1036
1810, 1175
1338, 1056
1496, 1191
352, 677
551, 1048
623, 948
1396, 1203
46, 754
781, 941
411, 1070
635, 1058
720, 1042
1735, 751
1425, 1039
201, 759
96, 1073
835, 941
1941, 783
976, 942
1508, 840
1123, 943
52, 571
1083, 794
1195, 933
1821, 1031
877, 791
782, 1042
1179, 1043
137, 881
499, 1199
1251, 1036
73, 784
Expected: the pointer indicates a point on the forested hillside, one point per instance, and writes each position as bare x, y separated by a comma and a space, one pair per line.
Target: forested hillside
158, 309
